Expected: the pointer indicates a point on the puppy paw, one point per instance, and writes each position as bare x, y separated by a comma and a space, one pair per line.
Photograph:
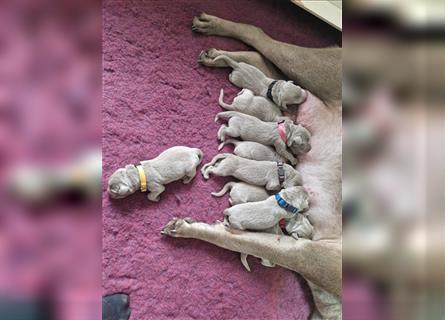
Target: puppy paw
205, 175
221, 145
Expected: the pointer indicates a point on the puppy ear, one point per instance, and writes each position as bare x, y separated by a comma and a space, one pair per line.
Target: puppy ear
278, 96
115, 188
132, 173
289, 132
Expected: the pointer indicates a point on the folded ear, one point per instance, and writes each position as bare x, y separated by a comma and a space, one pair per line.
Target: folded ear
132, 173
115, 188
278, 96
289, 132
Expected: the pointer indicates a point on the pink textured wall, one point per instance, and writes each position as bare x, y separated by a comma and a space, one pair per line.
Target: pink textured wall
157, 96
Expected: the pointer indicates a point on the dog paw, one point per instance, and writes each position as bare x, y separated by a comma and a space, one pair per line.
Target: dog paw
176, 227
207, 24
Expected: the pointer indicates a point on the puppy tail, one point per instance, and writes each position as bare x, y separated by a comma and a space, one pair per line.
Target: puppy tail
244, 262
230, 62
221, 101
228, 141
227, 187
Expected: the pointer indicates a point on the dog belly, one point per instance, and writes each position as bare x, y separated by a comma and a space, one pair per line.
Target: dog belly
325, 199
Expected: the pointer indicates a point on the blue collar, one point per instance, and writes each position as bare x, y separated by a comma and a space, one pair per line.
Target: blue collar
283, 204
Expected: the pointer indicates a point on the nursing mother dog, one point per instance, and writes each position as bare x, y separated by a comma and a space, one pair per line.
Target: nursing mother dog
318, 73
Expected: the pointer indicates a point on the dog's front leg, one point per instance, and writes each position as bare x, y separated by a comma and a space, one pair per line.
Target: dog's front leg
286, 154
317, 261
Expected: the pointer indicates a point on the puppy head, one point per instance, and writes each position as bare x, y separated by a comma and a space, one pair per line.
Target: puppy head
123, 182
289, 94
300, 227
298, 138
297, 196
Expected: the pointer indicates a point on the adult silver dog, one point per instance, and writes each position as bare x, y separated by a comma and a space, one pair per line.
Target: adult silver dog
318, 71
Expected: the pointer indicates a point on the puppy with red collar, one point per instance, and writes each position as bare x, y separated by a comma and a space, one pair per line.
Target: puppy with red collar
280, 135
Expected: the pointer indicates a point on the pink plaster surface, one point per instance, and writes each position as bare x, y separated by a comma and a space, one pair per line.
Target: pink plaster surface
157, 96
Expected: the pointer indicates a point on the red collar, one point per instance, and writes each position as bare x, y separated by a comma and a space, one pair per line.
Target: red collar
282, 131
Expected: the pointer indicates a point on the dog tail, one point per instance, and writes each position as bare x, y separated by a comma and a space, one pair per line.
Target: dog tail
221, 101
227, 187
228, 141
230, 62
244, 262
218, 158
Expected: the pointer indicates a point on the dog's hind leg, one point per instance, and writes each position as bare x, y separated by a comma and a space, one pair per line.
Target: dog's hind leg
189, 176
327, 306
207, 58
317, 261
318, 70
222, 132
217, 158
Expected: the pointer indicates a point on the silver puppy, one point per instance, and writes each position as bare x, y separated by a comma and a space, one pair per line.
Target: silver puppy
249, 128
283, 93
256, 106
253, 150
172, 164
259, 173
241, 192
266, 214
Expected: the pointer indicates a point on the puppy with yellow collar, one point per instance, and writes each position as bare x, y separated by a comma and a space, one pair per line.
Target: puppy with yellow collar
150, 176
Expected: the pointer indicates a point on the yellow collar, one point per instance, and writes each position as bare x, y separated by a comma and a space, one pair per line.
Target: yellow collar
142, 177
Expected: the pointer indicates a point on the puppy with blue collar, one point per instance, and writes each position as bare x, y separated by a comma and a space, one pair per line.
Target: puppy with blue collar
262, 215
